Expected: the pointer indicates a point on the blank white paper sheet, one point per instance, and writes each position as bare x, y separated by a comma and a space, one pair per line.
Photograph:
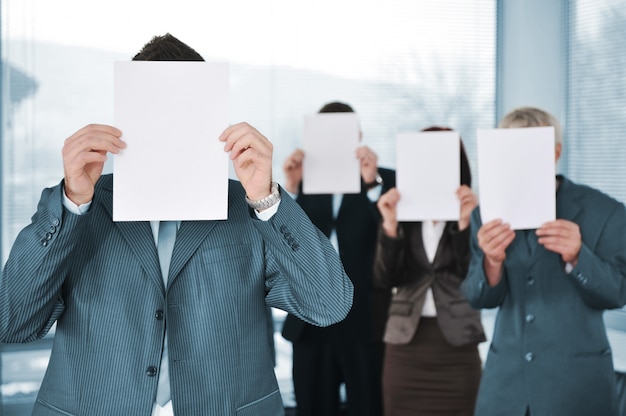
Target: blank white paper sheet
427, 175
330, 164
516, 172
171, 115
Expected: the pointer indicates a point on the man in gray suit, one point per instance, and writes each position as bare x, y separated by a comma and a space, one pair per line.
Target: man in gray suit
550, 354
120, 326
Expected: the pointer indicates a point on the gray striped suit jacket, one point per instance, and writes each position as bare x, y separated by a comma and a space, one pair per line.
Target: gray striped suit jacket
101, 283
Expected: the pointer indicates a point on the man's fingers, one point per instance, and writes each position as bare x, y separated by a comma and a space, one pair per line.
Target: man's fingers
239, 138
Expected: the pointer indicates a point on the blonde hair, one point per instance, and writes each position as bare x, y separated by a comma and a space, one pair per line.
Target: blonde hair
532, 117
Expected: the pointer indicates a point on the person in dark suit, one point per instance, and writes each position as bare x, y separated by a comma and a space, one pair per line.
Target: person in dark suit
431, 365
349, 352
550, 354
120, 324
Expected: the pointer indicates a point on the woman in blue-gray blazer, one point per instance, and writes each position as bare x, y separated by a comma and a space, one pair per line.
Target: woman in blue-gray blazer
120, 325
550, 354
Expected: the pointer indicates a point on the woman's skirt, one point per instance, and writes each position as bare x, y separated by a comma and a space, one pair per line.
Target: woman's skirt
428, 376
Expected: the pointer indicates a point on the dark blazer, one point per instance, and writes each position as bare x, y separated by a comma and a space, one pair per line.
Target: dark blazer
402, 264
549, 349
101, 283
356, 226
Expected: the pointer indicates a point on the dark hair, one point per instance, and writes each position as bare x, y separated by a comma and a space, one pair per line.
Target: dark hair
466, 173
167, 48
336, 107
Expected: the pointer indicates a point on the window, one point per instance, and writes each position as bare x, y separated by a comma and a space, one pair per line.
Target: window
402, 64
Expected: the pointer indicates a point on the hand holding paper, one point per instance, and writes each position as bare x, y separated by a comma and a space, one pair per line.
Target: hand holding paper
293, 171
387, 204
84, 154
468, 201
562, 237
251, 153
493, 239
369, 163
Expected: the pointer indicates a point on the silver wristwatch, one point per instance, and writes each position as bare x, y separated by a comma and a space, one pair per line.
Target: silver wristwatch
266, 202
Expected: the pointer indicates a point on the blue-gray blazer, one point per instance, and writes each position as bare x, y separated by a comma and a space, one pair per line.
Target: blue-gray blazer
550, 350
101, 283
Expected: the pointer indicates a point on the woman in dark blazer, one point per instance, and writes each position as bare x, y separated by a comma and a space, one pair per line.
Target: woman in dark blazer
431, 365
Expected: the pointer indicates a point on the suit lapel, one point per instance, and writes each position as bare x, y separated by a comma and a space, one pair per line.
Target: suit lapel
567, 205
189, 237
138, 235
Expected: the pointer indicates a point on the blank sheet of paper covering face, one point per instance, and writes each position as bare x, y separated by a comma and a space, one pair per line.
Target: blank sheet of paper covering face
516, 170
428, 175
171, 115
330, 164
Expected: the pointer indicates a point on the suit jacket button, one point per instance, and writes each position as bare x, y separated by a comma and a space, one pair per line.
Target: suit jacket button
529, 356
151, 371
159, 315
56, 222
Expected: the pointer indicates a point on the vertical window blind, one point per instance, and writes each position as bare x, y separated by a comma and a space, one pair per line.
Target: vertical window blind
594, 145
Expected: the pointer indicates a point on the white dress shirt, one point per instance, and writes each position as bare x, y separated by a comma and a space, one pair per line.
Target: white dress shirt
431, 235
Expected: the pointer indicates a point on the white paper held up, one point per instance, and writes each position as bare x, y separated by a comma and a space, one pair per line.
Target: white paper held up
516, 172
427, 175
330, 164
171, 115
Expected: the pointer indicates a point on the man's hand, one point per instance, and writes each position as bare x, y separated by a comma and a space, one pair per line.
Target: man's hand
369, 163
387, 204
251, 153
293, 171
493, 239
84, 154
468, 201
562, 237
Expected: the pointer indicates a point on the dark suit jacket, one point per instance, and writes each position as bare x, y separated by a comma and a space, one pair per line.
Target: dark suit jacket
100, 281
402, 263
356, 226
549, 349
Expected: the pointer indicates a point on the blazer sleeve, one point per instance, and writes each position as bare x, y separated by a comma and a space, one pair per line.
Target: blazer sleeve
600, 273
30, 288
304, 275
475, 286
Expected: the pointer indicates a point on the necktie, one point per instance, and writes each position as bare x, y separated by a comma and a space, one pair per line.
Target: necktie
165, 246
